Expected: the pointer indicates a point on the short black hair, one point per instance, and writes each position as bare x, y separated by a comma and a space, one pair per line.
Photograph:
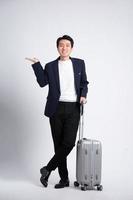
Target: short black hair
65, 37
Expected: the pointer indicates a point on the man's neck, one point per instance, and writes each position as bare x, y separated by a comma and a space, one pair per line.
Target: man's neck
64, 58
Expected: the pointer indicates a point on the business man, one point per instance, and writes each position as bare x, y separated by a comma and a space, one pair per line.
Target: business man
67, 80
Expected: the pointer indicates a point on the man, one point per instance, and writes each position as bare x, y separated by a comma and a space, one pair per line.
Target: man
67, 80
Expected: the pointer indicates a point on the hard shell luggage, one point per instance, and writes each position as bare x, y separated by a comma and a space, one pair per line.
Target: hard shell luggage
88, 160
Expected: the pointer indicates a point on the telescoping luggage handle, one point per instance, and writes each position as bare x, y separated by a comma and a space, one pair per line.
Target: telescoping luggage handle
81, 122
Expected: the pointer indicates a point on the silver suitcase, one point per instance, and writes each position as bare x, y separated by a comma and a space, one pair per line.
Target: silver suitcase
88, 160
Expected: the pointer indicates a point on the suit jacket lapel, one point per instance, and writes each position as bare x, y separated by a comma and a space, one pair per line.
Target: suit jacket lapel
75, 70
56, 71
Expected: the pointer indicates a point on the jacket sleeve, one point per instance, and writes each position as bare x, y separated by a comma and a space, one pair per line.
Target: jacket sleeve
41, 74
84, 82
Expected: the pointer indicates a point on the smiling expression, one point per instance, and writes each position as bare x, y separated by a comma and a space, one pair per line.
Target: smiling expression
64, 49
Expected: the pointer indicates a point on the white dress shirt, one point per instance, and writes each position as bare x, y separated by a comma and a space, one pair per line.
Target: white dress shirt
67, 85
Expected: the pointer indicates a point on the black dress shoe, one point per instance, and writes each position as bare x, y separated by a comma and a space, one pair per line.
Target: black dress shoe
62, 184
45, 175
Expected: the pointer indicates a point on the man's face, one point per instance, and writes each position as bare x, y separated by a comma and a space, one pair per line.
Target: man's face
64, 48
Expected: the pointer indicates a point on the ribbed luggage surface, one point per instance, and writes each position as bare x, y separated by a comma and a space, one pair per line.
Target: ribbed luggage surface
88, 164
88, 160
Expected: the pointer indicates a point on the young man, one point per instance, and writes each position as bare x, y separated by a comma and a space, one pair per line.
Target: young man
67, 80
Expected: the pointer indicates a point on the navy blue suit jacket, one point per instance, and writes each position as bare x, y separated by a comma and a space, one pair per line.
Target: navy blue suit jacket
50, 76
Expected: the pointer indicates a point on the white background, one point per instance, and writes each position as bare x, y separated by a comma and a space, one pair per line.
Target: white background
102, 31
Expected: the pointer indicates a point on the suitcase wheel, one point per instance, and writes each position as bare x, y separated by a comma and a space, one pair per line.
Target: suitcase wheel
84, 188
76, 184
100, 187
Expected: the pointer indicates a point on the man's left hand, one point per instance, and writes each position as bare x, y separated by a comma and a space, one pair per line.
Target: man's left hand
83, 100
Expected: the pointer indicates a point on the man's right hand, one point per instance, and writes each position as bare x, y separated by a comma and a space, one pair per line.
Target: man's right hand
33, 60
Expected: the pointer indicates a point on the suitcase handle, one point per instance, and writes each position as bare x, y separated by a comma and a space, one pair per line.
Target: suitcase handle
81, 108
81, 122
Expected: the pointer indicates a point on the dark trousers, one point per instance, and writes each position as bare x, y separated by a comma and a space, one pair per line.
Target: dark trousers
64, 126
